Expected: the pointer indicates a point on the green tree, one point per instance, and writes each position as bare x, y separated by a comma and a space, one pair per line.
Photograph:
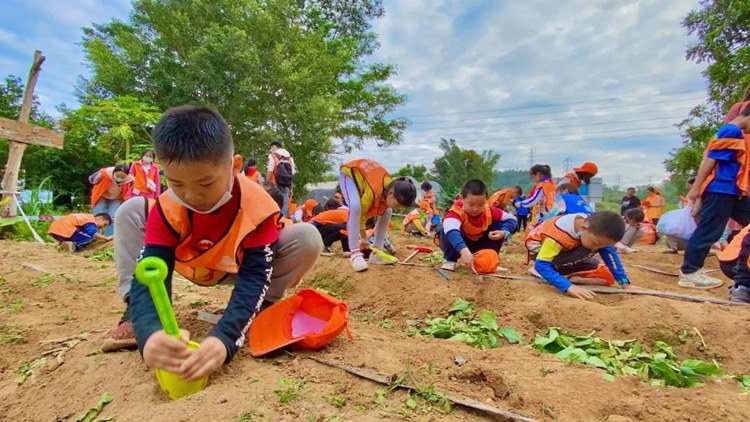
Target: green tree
457, 165
419, 172
285, 70
720, 38
514, 178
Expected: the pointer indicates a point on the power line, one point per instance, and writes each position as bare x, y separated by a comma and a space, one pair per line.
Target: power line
559, 138
533, 106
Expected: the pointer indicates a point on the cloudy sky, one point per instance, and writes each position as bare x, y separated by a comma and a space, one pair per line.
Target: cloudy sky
579, 80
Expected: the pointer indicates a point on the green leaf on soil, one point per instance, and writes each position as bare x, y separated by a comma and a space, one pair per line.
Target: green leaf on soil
744, 381
91, 414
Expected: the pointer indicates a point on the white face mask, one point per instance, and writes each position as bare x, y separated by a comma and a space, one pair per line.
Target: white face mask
147, 160
222, 201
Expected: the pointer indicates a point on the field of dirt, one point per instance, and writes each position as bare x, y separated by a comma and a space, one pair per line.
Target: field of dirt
46, 295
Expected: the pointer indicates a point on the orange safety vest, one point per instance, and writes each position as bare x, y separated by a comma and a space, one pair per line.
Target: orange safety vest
650, 237
67, 225
501, 198
100, 188
431, 200
573, 178
732, 251
210, 267
469, 230
651, 210
742, 156
412, 216
548, 188
253, 176
549, 230
373, 175
338, 216
141, 176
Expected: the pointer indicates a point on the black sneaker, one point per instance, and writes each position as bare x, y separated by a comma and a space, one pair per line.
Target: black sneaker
739, 294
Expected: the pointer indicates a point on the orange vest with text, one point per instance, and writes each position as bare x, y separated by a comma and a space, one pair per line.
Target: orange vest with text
67, 225
548, 188
141, 176
375, 177
100, 188
469, 230
210, 267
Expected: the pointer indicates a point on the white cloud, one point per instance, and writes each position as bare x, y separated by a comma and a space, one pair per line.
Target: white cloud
457, 56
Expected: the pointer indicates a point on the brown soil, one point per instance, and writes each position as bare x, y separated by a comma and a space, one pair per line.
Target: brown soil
46, 295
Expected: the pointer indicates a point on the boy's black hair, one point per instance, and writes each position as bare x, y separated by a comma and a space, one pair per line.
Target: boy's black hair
251, 162
585, 177
404, 191
571, 188
105, 216
332, 204
474, 187
276, 194
635, 214
121, 167
426, 186
317, 210
631, 188
607, 224
192, 133
275, 144
519, 190
691, 180
651, 189
543, 169
370, 223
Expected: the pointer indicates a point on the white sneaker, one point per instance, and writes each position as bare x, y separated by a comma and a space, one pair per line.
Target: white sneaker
699, 280
376, 260
358, 263
449, 266
534, 272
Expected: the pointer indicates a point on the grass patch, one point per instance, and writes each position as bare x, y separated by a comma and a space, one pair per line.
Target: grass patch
330, 283
15, 307
43, 281
423, 398
289, 390
107, 254
336, 401
10, 334
197, 303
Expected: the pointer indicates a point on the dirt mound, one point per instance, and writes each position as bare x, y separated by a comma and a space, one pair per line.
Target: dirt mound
58, 307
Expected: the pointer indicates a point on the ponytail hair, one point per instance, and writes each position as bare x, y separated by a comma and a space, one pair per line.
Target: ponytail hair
543, 169
404, 191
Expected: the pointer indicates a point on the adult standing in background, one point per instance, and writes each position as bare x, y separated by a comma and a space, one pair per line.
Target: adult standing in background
654, 205
280, 171
629, 201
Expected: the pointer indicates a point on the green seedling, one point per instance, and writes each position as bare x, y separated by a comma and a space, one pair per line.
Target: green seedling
465, 325
336, 401
104, 255
9, 334
197, 303
659, 367
744, 381
289, 390
16, 306
91, 414
27, 369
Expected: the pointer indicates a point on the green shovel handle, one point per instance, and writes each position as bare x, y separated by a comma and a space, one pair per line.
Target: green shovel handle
152, 272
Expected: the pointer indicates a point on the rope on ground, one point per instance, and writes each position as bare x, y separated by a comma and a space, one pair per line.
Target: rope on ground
453, 397
647, 292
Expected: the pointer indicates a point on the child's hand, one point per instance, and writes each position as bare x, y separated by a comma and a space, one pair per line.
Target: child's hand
364, 244
204, 361
467, 257
496, 235
166, 352
580, 293
694, 193
109, 238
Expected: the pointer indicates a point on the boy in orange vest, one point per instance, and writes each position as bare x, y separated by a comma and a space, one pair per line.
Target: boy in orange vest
505, 196
76, 231
722, 184
413, 221
370, 191
429, 196
564, 246
212, 226
473, 224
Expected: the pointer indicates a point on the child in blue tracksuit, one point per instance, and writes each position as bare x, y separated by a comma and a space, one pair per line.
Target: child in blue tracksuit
568, 201
522, 213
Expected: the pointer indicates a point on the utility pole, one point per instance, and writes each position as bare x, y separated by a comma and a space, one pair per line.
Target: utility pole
531, 158
566, 165
650, 179
619, 180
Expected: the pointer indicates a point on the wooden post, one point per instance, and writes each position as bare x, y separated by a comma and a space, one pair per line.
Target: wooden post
16, 148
